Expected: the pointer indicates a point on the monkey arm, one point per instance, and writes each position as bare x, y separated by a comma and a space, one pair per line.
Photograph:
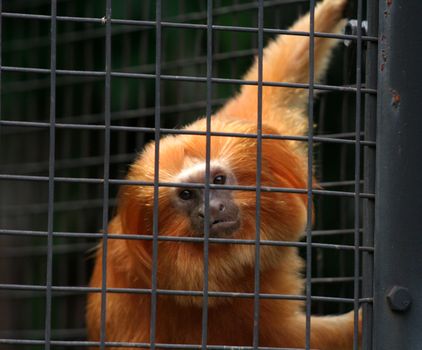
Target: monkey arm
286, 59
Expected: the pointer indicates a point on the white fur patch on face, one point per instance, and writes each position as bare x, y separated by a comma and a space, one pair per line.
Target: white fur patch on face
196, 172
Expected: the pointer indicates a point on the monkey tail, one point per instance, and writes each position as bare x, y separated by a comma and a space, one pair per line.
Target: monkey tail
286, 59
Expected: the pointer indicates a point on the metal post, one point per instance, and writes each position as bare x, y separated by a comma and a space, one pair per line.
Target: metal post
398, 224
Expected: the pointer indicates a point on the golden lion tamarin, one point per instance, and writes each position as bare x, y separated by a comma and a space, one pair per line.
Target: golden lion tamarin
231, 215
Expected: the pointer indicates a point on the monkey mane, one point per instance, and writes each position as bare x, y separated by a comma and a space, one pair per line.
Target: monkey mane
282, 214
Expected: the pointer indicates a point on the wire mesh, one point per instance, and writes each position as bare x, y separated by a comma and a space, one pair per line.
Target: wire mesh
85, 85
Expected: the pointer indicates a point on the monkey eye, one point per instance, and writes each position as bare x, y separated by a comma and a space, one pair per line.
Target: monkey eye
186, 195
219, 180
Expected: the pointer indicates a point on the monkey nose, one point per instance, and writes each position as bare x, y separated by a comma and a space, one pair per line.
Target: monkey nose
215, 209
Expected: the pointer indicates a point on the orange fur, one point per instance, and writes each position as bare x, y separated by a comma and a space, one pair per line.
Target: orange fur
231, 266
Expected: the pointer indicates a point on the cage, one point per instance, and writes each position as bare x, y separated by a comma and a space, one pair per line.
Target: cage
85, 85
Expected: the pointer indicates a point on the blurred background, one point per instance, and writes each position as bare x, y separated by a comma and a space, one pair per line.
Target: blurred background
24, 150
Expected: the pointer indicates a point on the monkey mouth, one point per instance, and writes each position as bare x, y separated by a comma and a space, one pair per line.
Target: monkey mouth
220, 228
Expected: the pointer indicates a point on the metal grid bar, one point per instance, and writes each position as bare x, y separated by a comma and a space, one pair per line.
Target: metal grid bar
181, 78
321, 288
204, 320
130, 345
310, 167
182, 132
33, 84
122, 157
52, 158
185, 25
107, 121
189, 185
174, 292
229, 9
256, 304
356, 282
186, 239
157, 134
369, 176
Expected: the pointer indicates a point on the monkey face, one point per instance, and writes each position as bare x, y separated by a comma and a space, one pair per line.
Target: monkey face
224, 216
232, 211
